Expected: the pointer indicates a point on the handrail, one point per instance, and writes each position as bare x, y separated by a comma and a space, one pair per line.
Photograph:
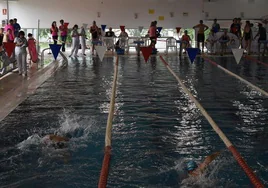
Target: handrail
42, 56
6, 62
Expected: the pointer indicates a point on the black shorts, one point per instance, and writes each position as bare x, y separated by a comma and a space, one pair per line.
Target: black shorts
247, 36
153, 39
200, 37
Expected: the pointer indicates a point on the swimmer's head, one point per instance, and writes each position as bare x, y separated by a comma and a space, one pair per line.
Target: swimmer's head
185, 32
191, 165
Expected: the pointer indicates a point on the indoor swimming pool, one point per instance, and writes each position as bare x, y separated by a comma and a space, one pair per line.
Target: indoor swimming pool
156, 128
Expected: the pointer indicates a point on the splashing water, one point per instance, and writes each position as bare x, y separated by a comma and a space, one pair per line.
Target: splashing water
78, 129
211, 176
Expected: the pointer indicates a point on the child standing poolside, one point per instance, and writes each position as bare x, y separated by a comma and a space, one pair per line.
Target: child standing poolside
21, 54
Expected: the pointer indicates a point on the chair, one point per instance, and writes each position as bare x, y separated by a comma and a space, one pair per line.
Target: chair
123, 42
131, 44
108, 42
171, 43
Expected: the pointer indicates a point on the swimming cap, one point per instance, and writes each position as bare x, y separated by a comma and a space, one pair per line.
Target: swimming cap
191, 165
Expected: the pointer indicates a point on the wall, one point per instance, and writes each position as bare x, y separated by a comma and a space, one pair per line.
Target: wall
121, 12
228, 9
113, 12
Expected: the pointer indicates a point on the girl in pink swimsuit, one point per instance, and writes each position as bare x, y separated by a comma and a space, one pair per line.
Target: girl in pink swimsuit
54, 32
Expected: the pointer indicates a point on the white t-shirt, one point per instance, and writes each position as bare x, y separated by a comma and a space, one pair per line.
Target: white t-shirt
20, 49
212, 37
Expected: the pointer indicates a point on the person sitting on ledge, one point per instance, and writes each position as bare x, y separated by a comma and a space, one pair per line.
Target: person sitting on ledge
224, 39
185, 42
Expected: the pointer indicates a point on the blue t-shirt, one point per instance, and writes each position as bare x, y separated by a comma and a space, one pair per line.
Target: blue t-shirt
16, 29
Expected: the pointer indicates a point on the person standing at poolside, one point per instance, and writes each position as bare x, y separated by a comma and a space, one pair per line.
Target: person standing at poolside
201, 34
215, 26
17, 27
21, 53
247, 36
83, 40
262, 39
152, 34
54, 32
94, 30
11, 35
75, 41
63, 34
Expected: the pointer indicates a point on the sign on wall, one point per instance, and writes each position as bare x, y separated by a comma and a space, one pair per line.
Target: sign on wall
4, 11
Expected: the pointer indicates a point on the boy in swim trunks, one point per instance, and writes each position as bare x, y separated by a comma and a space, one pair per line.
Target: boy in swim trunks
201, 34
196, 170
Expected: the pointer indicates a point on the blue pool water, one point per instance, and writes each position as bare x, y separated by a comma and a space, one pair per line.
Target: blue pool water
156, 129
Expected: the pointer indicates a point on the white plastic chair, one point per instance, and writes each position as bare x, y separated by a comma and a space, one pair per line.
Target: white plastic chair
131, 44
171, 43
108, 42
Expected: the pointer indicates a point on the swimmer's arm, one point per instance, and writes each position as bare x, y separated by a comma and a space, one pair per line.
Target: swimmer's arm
206, 27
207, 161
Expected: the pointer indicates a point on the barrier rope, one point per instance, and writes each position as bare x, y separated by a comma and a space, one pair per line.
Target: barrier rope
108, 135
256, 60
238, 77
253, 178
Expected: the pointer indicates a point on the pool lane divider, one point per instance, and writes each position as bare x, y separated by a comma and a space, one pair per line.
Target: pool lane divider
255, 60
108, 135
253, 178
236, 76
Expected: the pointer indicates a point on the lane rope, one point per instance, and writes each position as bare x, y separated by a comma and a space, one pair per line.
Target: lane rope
108, 135
236, 76
253, 178
255, 60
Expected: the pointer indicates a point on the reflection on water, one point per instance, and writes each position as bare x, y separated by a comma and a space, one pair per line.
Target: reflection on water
156, 128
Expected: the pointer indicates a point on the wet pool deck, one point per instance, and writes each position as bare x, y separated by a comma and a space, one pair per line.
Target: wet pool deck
15, 88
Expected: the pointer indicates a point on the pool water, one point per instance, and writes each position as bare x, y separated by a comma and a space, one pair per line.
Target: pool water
156, 128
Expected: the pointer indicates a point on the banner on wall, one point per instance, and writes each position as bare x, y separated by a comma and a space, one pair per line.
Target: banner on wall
161, 18
151, 11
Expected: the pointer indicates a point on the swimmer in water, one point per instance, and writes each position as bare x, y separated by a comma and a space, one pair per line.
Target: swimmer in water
58, 142
196, 170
